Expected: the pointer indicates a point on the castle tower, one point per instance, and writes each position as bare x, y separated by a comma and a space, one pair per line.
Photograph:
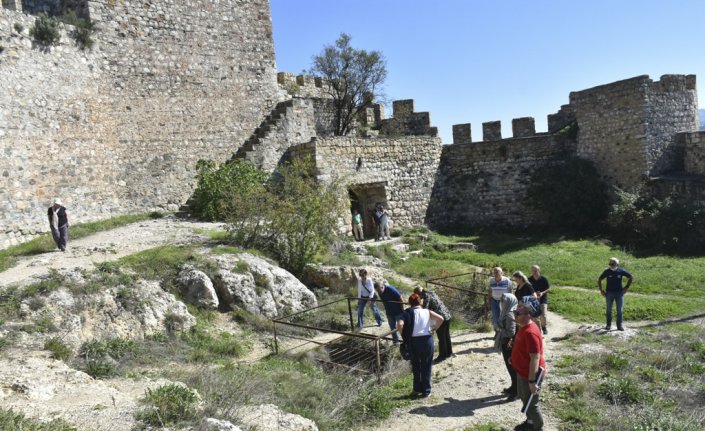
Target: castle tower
627, 128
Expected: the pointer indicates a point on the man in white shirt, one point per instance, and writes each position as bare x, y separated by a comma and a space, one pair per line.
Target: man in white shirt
366, 295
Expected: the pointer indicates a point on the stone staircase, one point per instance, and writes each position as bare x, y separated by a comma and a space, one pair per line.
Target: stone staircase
185, 209
252, 148
249, 149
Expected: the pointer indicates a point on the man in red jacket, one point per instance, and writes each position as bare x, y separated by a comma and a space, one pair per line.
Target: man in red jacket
527, 357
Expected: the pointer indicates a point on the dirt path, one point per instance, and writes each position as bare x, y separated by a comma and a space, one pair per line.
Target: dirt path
467, 388
108, 245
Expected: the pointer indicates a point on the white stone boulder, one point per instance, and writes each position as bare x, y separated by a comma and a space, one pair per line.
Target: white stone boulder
117, 312
211, 424
252, 283
197, 288
340, 279
268, 417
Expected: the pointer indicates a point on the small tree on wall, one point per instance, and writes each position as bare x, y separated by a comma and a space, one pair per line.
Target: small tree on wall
355, 77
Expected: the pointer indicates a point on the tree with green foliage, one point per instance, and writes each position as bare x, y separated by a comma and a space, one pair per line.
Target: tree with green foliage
304, 215
227, 191
570, 194
355, 77
292, 216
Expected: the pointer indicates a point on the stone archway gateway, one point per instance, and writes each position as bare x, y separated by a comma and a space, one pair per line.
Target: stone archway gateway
364, 197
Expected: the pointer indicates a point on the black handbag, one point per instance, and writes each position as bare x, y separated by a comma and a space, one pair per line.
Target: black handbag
404, 351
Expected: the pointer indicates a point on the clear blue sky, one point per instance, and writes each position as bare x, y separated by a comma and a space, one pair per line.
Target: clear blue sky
472, 61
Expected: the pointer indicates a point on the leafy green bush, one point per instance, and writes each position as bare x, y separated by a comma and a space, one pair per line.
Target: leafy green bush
290, 216
58, 349
168, 405
19, 28
577, 181
227, 188
668, 225
99, 369
45, 30
116, 348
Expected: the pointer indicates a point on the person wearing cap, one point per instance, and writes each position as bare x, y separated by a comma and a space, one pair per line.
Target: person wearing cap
59, 224
614, 292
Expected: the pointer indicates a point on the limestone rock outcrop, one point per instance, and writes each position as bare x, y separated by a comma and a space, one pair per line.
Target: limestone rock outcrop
340, 279
197, 288
252, 283
122, 311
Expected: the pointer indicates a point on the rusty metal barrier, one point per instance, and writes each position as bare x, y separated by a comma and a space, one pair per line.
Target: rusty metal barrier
464, 294
340, 345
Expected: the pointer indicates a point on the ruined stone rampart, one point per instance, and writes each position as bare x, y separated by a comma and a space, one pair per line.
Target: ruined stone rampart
406, 121
396, 171
119, 129
627, 128
485, 183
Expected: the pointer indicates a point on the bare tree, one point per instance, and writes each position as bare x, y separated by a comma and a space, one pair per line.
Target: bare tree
355, 77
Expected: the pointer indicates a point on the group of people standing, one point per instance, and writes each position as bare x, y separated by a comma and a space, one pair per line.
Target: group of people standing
518, 336
379, 217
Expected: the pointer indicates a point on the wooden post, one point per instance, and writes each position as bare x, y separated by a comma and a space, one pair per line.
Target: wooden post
352, 328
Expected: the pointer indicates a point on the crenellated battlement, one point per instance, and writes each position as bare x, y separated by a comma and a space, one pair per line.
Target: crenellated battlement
303, 85
523, 127
405, 121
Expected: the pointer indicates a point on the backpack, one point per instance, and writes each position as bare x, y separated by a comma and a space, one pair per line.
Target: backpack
533, 304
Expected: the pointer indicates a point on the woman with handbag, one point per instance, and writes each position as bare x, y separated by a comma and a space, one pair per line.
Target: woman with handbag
415, 328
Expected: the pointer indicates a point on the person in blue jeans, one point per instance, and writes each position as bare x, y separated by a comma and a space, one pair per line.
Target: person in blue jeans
393, 305
415, 326
366, 295
614, 292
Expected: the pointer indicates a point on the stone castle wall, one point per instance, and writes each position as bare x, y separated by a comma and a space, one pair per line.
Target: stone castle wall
485, 183
399, 171
119, 129
627, 128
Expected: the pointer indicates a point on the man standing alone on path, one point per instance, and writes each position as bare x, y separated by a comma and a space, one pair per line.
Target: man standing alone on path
432, 302
499, 284
541, 287
366, 295
615, 292
393, 305
527, 357
59, 224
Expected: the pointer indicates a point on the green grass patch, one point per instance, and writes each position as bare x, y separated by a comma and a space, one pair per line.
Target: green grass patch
59, 350
650, 381
159, 263
564, 262
589, 306
11, 420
